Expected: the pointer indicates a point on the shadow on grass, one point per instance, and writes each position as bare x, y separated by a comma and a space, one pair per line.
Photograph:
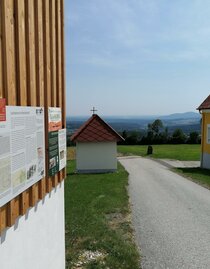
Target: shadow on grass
195, 170
71, 173
197, 174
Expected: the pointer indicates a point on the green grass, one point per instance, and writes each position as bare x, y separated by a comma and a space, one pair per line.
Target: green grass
176, 152
71, 153
199, 175
97, 219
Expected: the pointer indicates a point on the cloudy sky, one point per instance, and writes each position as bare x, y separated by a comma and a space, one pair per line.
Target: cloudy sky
137, 57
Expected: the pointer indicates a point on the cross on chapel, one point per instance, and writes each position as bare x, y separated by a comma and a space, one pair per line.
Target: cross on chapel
93, 110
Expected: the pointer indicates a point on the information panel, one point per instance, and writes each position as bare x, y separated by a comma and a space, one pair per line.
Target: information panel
22, 150
53, 153
54, 121
56, 141
2, 109
62, 148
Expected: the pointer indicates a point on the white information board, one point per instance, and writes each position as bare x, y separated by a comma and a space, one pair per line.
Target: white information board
22, 150
62, 148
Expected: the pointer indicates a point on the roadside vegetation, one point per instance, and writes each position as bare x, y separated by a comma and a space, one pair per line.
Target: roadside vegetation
98, 225
177, 152
197, 174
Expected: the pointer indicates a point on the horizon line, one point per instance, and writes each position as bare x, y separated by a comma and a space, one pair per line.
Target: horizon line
134, 115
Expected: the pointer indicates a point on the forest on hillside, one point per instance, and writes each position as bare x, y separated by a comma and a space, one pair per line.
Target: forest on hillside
157, 133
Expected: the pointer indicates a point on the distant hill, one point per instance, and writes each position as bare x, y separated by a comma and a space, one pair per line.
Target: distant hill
188, 122
186, 115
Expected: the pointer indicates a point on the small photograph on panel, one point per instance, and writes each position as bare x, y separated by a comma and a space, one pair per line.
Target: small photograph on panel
52, 162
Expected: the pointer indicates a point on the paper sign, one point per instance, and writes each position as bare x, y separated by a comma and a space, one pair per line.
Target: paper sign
57, 151
22, 150
62, 148
2, 109
54, 121
53, 153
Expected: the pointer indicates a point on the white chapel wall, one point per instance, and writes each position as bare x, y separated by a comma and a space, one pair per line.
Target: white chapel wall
96, 156
36, 241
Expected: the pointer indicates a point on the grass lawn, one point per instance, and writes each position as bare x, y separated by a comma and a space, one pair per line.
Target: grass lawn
199, 175
71, 153
177, 152
98, 221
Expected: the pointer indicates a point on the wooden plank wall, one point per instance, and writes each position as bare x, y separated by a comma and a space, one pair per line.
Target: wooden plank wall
32, 74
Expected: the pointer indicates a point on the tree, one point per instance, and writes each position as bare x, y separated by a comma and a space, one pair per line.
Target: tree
165, 135
193, 138
153, 132
156, 126
133, 138
178, 137
124, 134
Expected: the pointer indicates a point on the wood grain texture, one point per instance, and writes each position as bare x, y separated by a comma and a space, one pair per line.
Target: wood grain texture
3, 217
9, 59
2, 92
32, 74
63, 73
47, 78
30, 53
21, 53
39, 72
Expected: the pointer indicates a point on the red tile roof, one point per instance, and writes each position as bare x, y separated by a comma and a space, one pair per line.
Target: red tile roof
205, 104
96, 130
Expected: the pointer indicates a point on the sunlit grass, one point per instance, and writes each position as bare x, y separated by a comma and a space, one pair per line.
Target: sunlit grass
97, 219
177, 152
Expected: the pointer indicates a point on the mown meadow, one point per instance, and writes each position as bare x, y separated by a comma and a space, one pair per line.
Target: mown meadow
98, 221
182, 152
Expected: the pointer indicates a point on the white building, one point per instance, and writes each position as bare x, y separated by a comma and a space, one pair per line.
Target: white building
96, 146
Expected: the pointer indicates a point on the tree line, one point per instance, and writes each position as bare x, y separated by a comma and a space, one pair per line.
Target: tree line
157, 133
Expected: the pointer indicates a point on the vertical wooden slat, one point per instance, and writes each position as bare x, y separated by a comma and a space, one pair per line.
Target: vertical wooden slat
58, 62
3, 218
13, 211
9, 51
39, 53
30, 55
3, 210
34, 194
1, 56
21, 72
63, 66
31, 74
47, 79
39, 71
53, 65
21, 52
53, 52
24, 202
58, 54
10, 79
63, 74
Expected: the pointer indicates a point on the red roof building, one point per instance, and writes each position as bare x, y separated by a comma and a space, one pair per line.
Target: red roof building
205, 104
96, 146
96, 130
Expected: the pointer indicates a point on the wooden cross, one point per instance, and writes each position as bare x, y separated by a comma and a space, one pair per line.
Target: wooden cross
93, 110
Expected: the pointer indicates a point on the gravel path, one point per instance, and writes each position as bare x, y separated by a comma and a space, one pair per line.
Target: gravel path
171, 216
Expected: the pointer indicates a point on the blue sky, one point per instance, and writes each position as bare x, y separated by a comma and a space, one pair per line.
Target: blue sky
136, 57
